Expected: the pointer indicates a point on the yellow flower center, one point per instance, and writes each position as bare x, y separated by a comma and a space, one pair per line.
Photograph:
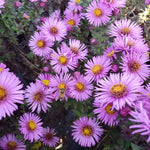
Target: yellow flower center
53, 30
3, 94
125, 31
134, 66
87, 131
111, 53
80, 86
71, 22
11, 145
49, 136
27, 16
118, 90
97, 69
38, 96
108, 109
77, 1
46, 82
40, 43
1, 70
31, 125
74, 50
63, 60
62, 86
98, 12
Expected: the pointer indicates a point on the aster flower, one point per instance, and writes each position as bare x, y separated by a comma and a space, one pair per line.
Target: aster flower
63, 60
39, 45
38, 97
142, 117
129, 44
125, 27
113, 4
147, 2
118, 89
97, 68
45, 79
2, 2
49, 137
71, 21
55, 15
125, 111
61, 86
98, 13
110, 52
82, 88
106, 114
74, 5
30, 126
54, 30
26, 16
3, 68
10, 93
9, 142
86, 131
136, 64
79, 50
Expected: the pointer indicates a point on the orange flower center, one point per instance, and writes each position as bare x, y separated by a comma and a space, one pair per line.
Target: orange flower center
111, 53
53, 30
3, 94
80, 86
98, 12
148, 95
97, 69
11, 145
130, 44
134, 66
38, 96
31, 125
74, 50
49, 136
87, 131
108, 109
63, 60
40, 43
125, 31
118, 90
71, 22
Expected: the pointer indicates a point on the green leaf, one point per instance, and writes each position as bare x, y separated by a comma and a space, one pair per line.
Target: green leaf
135, 147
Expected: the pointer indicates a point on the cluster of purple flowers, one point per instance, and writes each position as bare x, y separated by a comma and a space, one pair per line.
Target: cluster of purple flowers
119, 86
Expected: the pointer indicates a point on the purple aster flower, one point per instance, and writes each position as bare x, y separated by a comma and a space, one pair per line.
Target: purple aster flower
129, 44
38, 97
54, 30
55, 15
61, 86
45, 79
97, 68
110, 52
136, 64
63, 60
71, 21
39, 45
147, 2
113, 4
82, 88
2, 2
86, 131
78, 49
142, 117
125, 111
74, 5
3, 68
30, 126
10, 93
125, 27
106, 114
98, 13
118, 89
49, 137
9, 142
